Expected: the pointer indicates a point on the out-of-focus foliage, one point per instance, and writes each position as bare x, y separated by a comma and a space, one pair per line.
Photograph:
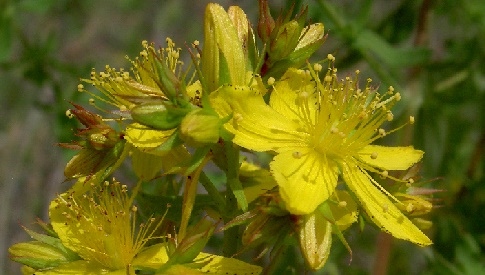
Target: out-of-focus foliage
433, 52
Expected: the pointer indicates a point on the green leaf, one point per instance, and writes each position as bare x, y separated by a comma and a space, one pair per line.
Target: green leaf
368, 40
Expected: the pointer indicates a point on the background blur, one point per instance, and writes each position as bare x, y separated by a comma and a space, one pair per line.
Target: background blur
433, 52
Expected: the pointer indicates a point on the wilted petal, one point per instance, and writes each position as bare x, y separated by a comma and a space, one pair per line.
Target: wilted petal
306, 179
380, 209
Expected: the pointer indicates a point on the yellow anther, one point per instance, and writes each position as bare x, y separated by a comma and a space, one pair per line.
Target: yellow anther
390, 116
342, 203
238, 117
80, 87
411, 119
373, 155
126, 75
384, 174
317, 67
69, 114
410, 207
330, 57
327, 78
397, 96
382, 132
134, 208
303, 95
144, 43
196, 43
91, 101
334, 130
271, 81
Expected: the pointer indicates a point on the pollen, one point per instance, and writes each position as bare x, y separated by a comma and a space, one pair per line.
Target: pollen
342, 204
373, 155
297, 155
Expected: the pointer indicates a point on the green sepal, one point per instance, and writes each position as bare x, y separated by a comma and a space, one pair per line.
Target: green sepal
162, 116
90, 161
285, 40
196, 159
169, 83
224, 70
192, 245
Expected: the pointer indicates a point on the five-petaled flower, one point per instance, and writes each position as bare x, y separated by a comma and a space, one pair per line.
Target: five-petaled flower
321, 130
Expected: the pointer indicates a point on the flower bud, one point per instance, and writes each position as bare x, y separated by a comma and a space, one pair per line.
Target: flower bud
223, 59
315, 239
37, 255
159, 116
200, 127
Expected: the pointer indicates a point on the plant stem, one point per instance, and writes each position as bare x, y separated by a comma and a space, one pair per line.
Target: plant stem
231, 235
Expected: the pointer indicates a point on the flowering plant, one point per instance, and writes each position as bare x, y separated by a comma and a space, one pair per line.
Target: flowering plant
237, 102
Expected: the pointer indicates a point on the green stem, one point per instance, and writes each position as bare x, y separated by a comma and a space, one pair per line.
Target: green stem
231, 235
213, 192
190, 193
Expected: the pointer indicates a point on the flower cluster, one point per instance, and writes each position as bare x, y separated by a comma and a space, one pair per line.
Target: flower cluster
316, 129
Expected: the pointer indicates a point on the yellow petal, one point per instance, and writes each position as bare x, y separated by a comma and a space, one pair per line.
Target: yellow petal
214, 264
256, 181
294, 97
256, 125
306, 179
76, 268
390, 158
146, 166
380, 209
315, 239
152, 257
144, 137
70, 232
345, 212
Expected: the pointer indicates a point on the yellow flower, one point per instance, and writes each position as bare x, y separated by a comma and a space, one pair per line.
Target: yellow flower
99, 227
321, 130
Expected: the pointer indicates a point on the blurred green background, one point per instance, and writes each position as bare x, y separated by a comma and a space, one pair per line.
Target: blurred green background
433, 52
